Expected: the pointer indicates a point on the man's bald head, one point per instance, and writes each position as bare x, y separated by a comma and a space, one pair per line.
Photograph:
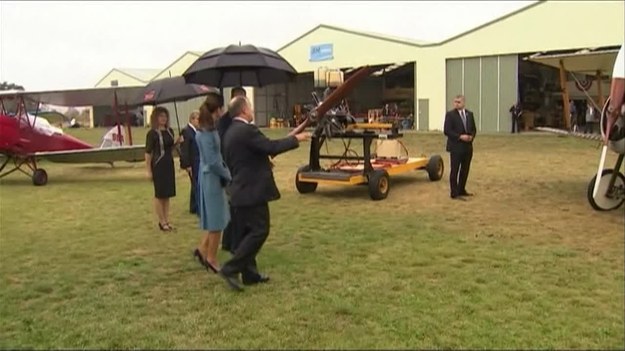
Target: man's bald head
240, 107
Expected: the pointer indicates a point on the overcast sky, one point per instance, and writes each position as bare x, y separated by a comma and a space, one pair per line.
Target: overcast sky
65, 45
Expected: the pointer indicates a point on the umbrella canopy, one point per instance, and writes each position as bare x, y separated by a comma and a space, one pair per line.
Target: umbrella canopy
171, 90
239, 65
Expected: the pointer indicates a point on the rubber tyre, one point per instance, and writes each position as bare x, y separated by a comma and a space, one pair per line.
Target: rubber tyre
435, 168
40, 177
379, 185
304, 187
605, 178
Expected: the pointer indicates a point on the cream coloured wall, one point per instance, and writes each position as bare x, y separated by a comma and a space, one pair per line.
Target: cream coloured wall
123, 80
549, 25
349, 50
179, 66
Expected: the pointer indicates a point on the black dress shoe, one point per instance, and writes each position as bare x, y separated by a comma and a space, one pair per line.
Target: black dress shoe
466, 194
231, 281
260, 279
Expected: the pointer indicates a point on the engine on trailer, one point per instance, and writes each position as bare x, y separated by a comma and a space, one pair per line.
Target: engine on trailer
336, 119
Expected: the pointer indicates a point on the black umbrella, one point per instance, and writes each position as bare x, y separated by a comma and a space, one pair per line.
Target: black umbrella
239, 65
172, 89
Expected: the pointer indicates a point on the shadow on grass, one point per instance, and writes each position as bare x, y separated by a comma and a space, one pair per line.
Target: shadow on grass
58, 180
397, 184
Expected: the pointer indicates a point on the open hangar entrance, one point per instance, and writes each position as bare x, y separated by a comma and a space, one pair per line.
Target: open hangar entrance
390, 85
493, 84
582, 76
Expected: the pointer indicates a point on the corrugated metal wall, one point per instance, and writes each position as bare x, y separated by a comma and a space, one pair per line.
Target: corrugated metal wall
270, 101
489, 84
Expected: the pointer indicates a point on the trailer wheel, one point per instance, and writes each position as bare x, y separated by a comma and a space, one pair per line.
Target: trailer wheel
304, 187
40, 177
379, 185
435, 168
602, 202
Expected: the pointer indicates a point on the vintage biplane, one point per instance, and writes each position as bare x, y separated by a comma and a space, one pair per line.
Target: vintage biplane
606, 190
26, 138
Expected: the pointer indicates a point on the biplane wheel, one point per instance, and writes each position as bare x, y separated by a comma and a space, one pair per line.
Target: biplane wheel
40, 177
304, 187
435, 168
379, 184
617, 194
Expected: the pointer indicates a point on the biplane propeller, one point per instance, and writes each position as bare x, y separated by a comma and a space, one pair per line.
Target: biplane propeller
328, 121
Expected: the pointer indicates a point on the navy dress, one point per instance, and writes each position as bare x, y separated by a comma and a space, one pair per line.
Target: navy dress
212, 176
160, 144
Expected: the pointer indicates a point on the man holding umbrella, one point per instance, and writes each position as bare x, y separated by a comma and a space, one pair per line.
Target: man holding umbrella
237, 66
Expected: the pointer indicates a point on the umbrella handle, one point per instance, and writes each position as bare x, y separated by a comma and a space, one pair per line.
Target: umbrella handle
177, 120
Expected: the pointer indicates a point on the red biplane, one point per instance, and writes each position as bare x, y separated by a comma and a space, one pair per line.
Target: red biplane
26, 139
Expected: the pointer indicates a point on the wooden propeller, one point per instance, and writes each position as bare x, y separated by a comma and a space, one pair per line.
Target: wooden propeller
334, 98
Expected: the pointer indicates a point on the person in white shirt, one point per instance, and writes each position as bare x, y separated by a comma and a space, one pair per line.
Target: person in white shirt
591, 117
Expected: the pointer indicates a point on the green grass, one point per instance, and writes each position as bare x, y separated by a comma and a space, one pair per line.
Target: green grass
526, 263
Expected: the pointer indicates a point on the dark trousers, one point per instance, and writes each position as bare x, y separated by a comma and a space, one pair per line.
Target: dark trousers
460, 165
252, 228
228, 238
515, 126
194, 196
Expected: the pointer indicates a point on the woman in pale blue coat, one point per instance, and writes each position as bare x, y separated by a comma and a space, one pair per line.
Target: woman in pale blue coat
213, 176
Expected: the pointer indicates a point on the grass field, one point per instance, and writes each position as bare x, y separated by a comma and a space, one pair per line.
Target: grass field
526, 263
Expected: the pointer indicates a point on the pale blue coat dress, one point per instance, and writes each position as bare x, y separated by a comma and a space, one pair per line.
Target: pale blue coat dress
213, 203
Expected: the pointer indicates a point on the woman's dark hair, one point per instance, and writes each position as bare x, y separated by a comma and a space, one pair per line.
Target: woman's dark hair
212, 103
154, 116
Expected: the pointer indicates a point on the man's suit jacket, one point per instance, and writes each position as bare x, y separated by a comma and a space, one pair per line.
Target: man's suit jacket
454, 128
189, 152
246, 152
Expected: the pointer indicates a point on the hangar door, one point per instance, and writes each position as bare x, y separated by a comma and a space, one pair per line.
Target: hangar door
489, 84
270, 102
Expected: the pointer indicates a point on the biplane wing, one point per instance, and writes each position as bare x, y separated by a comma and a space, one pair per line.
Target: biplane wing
24, 138
587, 136
134, 153
585, 61
130, 96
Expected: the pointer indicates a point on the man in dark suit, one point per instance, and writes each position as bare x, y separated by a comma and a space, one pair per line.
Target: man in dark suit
228, 239
247, 152
190, 157
460, 131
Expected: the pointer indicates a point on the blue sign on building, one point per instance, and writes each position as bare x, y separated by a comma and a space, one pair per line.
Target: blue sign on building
321, 52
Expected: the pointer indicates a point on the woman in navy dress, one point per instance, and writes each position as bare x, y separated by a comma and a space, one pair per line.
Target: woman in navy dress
213, 176
159, 160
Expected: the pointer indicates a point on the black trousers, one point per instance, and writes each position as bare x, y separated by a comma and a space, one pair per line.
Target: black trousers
515, 126
194, 196
460, 165
252, 228
228, 238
